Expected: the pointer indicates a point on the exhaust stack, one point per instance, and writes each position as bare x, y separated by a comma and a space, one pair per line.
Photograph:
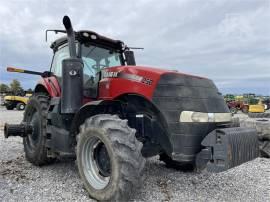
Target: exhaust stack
70, 36
72, 75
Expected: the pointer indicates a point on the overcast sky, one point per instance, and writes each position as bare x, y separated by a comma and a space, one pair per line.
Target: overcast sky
227, 41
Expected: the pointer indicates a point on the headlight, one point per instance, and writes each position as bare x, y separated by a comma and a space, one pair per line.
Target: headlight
191, 116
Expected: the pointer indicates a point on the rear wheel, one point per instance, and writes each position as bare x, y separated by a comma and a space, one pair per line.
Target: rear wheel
35, 143
20, 106
109, 158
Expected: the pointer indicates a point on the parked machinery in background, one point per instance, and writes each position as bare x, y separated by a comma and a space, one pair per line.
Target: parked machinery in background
247, 103
16, 101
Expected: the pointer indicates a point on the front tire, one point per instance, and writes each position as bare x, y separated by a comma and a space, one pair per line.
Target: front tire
109, 158
9, 107
35, 143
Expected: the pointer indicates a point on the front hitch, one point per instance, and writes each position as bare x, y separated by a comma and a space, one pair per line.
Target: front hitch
227, 148
21, 130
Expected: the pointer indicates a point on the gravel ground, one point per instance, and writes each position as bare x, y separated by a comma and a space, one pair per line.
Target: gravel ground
21, 181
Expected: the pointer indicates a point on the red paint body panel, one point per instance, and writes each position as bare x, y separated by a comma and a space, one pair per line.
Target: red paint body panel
111, 88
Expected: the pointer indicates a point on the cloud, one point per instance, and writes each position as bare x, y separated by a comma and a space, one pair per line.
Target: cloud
227, 41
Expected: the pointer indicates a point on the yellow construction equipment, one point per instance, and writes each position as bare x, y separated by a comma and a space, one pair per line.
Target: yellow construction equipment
18, 102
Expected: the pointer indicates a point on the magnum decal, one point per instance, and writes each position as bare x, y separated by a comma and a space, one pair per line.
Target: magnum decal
133, 77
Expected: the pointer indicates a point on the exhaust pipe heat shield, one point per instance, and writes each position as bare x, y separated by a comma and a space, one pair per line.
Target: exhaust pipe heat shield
227, 148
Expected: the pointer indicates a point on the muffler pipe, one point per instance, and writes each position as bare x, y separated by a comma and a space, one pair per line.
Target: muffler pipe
72, 75
70, 36
21, 130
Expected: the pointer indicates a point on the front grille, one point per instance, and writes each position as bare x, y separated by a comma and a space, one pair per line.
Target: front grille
176, 93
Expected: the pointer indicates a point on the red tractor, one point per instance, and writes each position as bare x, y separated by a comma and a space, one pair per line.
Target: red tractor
95, 104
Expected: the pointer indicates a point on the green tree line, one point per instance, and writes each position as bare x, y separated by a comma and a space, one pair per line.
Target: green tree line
14, 87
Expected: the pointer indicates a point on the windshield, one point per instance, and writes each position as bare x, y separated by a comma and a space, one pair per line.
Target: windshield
96, 58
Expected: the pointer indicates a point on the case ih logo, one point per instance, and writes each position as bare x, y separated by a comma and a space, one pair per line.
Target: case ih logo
110, 74
127, 76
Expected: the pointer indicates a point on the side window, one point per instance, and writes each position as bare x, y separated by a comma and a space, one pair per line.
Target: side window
88, 66
89, 71
59, 56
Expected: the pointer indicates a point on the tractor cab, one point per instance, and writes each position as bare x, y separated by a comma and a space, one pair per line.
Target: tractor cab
96, 52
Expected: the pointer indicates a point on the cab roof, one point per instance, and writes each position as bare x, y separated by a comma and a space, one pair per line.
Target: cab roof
89, 36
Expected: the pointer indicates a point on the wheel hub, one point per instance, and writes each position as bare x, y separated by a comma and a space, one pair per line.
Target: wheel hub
102, 160
33, 138
96, 161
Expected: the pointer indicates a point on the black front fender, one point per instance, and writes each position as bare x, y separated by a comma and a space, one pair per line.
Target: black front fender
92, 108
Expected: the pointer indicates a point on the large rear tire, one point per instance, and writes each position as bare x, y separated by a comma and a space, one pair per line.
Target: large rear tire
109, 158
35, 143
20, 106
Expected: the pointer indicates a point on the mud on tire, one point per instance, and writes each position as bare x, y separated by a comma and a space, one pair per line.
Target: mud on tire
116, 181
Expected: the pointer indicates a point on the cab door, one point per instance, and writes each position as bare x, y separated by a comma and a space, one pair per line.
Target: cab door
55, 81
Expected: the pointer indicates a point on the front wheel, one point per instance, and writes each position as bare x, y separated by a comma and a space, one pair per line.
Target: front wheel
109, 158
9, 107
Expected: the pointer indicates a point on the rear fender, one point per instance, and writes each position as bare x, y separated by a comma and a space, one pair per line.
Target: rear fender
49, 85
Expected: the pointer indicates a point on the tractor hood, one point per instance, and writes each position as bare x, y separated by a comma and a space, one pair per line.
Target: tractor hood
160, 84
147, 71
119, 80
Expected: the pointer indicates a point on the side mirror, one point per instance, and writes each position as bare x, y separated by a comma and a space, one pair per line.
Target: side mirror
130, 59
